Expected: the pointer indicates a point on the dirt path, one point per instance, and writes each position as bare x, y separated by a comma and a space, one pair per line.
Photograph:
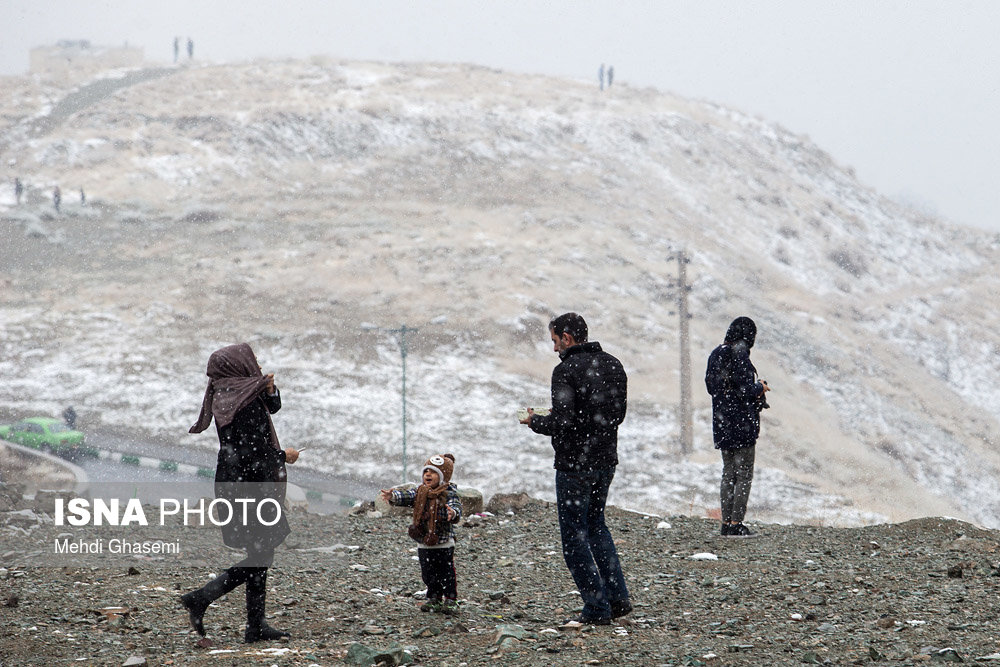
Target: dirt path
91, 94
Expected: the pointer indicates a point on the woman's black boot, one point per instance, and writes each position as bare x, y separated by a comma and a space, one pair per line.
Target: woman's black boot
196, 602
257, 628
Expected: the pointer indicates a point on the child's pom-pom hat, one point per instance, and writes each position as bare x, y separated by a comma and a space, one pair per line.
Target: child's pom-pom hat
442, 464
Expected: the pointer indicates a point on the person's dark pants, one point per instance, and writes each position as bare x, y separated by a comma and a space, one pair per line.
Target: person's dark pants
437, 569
587, 545
737, 476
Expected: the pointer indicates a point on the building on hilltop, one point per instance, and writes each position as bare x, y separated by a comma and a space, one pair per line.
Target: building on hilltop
72, 58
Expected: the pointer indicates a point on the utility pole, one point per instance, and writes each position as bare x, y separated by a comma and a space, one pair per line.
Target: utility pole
685, 416
402, 331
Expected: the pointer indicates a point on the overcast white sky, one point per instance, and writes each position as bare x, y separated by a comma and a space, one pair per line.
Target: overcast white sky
905, 92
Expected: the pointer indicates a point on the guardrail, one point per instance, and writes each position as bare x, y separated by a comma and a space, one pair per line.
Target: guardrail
79, 474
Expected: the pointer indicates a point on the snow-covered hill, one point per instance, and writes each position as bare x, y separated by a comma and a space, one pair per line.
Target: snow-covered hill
298, 204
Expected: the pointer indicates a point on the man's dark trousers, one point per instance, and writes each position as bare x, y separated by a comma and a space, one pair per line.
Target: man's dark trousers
587, 545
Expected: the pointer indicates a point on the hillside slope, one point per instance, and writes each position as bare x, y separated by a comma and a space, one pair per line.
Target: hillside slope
298, 204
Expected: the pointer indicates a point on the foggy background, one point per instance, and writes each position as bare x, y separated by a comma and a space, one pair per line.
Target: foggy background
904, 92
309, 203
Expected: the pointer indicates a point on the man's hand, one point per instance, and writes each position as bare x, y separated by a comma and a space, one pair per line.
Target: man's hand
386, 495
766, 388
527, 420
291, 455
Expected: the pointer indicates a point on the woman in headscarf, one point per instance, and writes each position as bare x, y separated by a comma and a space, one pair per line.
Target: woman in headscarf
251, 465
737, 399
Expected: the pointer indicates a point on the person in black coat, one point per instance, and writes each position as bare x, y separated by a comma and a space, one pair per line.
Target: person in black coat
251, 465
737, 399
589, 399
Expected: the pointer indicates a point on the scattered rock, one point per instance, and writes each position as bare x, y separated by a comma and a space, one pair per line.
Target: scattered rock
471, 499
45, 499
112, 613
947, 655
362, 508
390, 656
501, 503
506, 630
757, 593
392, 510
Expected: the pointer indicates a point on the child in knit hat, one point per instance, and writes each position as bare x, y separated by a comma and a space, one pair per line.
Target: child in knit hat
436, 507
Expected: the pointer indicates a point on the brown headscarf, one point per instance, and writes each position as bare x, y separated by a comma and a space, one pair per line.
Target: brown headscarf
235, 381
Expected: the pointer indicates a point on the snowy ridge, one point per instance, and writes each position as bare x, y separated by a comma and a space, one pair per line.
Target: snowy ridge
289, 202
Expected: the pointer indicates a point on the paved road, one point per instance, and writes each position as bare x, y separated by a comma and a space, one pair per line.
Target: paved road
121, 475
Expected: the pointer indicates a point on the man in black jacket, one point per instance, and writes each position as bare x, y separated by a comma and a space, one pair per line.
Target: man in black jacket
589, 392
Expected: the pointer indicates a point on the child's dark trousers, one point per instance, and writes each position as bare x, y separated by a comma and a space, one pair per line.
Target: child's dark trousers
437, 569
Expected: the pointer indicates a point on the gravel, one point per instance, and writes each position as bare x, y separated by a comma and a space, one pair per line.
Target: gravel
903, 593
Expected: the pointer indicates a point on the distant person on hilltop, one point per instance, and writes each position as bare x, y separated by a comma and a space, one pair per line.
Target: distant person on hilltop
177, 48
600, 76
83, 197
611, 75
18, 190
56, 197
190, 49
737, 400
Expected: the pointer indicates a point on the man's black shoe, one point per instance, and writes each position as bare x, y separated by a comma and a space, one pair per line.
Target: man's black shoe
583, 620
621, 608
726, 530
739, 530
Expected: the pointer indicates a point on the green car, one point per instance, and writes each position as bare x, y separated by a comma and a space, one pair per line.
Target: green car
46, 434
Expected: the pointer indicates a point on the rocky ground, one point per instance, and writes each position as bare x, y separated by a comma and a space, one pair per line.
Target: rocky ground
909, 593
32, 471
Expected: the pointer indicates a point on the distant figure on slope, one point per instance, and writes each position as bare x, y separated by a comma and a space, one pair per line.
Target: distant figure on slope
83, 197
250, 470
56, 197
177, 48
600, 76
611, 75
18, 190
190, 49
69, 416
737, 400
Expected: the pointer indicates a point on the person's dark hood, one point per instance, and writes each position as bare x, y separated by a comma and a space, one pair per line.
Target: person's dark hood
742, 329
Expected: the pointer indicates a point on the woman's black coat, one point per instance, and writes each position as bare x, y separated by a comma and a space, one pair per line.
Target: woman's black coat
249, 466
731, 379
